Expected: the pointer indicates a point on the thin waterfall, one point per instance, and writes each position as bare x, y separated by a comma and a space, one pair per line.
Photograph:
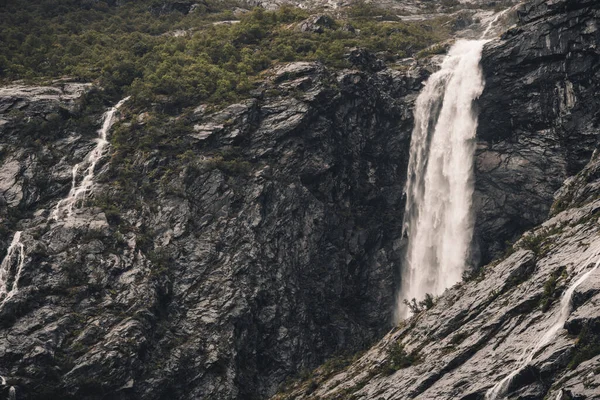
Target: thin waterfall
439, 186
12, 264
501, 388
11, 269
78, 192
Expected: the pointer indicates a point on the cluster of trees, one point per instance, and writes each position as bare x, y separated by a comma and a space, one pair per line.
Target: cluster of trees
129, 46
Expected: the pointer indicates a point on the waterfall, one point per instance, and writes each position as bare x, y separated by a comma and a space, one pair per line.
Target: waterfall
494, 22
11, 266
79, 191
439, 187
502, 387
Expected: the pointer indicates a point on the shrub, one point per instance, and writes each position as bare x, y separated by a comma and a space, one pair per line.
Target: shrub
417, 307
129, 49
398, 358
550, 288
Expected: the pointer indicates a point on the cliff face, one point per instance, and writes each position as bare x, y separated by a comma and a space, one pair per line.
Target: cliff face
267, 244
526, 325
539, 120
255, 241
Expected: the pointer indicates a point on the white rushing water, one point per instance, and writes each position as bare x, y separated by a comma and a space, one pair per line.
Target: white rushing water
79, 191
500, 389
11, 268
494, 22
439, 187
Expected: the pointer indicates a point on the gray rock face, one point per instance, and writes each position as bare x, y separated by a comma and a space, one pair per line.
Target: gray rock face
32, 118
271, 248
534, 314
538, 120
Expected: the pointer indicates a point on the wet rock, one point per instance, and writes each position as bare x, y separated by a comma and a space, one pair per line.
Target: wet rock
273, 247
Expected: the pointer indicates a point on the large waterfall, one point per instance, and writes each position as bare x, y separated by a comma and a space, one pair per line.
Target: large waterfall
439, 188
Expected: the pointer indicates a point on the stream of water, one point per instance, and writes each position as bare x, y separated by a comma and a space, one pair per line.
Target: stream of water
12, 264
501, 388
80, 190
11, 267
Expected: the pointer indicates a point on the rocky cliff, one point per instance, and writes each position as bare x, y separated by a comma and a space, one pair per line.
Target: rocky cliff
526, 325
538, 120
257, 246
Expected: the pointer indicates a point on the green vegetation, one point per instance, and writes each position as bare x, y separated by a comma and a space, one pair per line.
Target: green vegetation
550, 293
179, 60
539, 242
398, 358
168, 62
417, 307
